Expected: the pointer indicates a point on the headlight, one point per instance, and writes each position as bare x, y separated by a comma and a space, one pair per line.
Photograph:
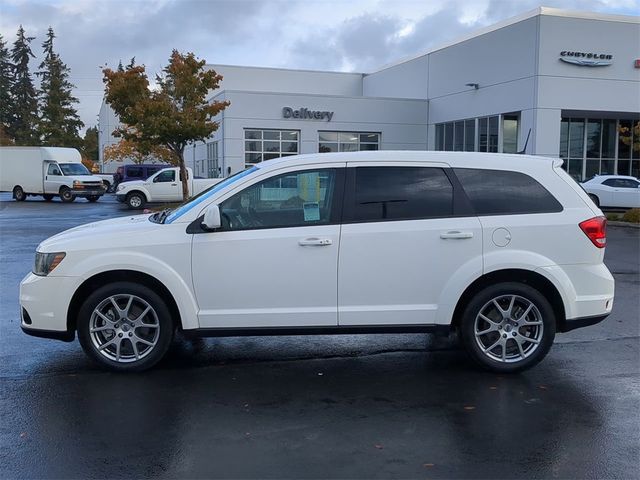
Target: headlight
77, 183
120, 187
46, 262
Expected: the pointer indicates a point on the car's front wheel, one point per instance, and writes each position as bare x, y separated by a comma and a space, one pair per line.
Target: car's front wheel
66, 195
125, 326
508, 327
136, 200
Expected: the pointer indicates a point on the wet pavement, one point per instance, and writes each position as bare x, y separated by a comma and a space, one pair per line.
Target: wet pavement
361, 406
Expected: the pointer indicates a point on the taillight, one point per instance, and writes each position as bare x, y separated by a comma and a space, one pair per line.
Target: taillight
596, 229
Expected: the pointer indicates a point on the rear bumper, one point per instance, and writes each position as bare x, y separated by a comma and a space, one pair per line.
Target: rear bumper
573, 323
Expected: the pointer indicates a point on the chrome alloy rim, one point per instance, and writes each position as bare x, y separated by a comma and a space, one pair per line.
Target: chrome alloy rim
124, 328
508, 328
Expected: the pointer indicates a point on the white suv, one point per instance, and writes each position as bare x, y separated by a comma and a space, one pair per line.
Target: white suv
505, 249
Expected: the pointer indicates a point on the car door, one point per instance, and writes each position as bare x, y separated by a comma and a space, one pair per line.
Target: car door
403, 243
53, 178
165, 187
274, 262
626, 193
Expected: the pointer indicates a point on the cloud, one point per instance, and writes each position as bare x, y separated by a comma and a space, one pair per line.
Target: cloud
347, 35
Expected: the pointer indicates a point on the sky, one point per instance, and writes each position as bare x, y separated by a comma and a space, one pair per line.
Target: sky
341, 35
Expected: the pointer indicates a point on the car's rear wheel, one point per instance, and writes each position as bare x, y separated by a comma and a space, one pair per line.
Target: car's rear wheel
93, 198
125, 326
19, 194
47, 197
66, 195
508, 327
594, 199
136, 200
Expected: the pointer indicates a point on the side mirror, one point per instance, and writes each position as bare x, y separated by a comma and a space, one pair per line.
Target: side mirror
211, 220
155, 179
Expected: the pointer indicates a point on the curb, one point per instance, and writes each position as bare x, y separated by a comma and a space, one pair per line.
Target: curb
614, 223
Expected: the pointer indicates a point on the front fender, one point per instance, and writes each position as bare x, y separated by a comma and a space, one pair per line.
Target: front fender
177, 282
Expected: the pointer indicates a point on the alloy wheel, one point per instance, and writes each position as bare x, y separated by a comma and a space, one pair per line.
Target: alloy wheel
508, 328
124, 328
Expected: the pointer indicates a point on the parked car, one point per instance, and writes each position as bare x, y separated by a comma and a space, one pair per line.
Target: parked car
47, 171
163, 186
505, 249
614, 191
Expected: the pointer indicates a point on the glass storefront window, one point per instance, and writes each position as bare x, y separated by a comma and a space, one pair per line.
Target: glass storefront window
348, 141
440, 136
458, 136
576, 138
261, 145
493, 134
510, 134
482, 134
469, 135
593, 138
564, 138
448, 137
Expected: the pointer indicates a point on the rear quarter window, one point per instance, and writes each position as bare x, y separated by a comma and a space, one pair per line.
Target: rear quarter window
501, 192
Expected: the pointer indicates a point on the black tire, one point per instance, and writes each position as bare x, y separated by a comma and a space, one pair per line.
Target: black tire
594, 199
136, 200
121, 291
93, 198
506, 330
48, 197
66, 195
107, 186
19, 194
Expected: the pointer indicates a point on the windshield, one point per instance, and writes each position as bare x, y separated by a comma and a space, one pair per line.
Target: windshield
205, 194
73, 169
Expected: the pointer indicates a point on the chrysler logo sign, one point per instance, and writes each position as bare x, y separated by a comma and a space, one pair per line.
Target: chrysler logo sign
586, 59
306, 114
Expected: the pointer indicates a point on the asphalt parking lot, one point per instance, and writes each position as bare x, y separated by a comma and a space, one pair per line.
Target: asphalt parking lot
386, 406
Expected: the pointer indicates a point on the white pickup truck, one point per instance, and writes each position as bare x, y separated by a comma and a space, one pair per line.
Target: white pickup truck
164, 186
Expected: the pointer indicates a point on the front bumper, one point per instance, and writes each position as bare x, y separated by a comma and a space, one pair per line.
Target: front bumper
44, 303
88, 192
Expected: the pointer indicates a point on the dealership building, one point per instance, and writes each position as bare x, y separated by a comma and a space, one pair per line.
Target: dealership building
549, 82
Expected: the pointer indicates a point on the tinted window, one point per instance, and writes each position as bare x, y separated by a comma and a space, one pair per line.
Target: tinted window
289, 200
53, 169
152, 170
134, 172
166, 176
499, 192
401, 193
621, 183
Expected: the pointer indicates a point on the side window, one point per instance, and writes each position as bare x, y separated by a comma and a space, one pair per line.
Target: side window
401, 193
53, 169
289, 200
167, 176
501, 192
622, 183
134, 172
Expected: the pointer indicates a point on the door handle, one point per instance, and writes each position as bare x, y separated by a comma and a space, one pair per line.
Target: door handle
456, 235
174, 184
315, 242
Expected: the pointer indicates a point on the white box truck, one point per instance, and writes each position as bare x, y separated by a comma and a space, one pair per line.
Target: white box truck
47, 171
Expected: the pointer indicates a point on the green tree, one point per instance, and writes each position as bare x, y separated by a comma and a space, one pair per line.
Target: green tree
24, 115
6, 80
59, 120
173, 115
90, 144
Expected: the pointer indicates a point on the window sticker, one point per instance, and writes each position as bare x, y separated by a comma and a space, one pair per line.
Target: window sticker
311, 212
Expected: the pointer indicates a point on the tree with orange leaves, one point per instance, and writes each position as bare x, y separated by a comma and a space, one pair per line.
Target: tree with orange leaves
173, 114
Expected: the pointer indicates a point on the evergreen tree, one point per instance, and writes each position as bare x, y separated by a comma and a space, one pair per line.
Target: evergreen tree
6, 80
24, 115
90, 144
59, 120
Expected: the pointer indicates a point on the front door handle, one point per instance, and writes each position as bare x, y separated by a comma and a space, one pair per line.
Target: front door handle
456, 235
315, 242
174, 184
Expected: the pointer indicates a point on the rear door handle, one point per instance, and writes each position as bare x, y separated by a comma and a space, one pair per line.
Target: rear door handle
456, 235
315, 242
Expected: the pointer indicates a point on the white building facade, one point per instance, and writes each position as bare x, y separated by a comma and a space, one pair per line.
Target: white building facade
549, 82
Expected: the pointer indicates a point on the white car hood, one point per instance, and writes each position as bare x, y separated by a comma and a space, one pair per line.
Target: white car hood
84, 178
105, 234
